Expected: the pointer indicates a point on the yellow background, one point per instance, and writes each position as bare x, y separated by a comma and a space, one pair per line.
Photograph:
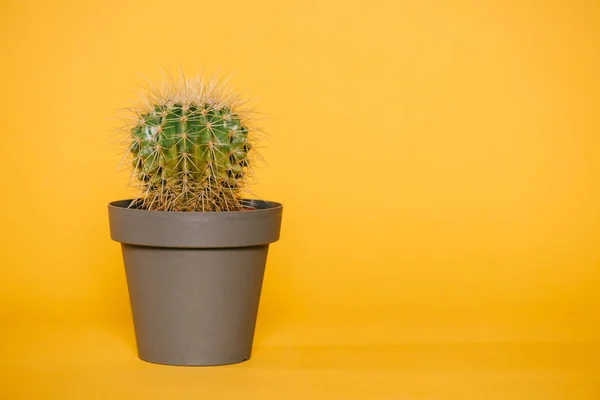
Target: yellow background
438, 165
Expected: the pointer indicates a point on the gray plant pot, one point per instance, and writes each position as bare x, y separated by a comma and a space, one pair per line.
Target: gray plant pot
195, 279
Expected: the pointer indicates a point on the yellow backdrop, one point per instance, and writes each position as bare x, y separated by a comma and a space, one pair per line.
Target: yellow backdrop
437, 161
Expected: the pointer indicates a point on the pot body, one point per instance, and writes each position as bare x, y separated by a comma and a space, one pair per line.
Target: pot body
195, 280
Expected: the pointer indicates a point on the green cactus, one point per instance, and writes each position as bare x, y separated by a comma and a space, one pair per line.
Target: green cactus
190, 148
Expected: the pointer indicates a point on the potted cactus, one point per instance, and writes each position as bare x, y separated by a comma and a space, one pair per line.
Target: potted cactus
193, 246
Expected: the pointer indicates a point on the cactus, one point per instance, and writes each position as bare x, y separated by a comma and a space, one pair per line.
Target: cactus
190, 145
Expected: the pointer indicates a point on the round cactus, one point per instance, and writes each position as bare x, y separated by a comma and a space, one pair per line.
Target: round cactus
190, 145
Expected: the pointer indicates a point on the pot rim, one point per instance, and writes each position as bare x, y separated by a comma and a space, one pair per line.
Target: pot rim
263, 206
195, 229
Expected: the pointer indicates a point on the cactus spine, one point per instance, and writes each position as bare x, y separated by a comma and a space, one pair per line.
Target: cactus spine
190, 146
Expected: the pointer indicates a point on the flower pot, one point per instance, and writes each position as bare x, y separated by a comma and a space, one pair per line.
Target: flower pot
194, 279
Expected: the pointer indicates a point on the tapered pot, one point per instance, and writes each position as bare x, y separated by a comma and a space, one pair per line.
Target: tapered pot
195, 279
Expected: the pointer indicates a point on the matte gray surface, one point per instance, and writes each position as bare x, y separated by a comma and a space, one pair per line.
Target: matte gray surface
195, 229
194, 306
195, 279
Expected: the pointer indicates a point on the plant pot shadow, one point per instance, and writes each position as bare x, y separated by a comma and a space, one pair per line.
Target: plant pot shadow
279, 293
